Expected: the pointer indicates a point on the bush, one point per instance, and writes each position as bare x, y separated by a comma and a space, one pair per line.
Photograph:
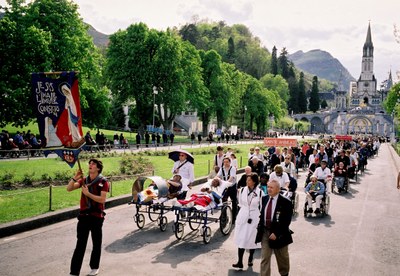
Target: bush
6, 180
62, 175
132, 166
46, 177
28, 179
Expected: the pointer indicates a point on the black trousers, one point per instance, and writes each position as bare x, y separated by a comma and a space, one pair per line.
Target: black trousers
232, 194
85, 225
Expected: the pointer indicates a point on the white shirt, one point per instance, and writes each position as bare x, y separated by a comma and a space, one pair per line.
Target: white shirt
322, 174
219, 189
311, 160
218, 160
234, 163
275, 200
283, 179
289, 168
186, 171
231, 171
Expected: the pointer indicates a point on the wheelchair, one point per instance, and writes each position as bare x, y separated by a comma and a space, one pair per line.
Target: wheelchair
345, 184
325, 204
293, 196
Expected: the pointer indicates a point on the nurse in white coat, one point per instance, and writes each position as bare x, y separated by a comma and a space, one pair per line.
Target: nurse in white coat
249, 198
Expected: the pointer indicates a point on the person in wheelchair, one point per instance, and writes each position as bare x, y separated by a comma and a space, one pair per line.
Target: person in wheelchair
340, 173
315, 190
323, 173
282, 177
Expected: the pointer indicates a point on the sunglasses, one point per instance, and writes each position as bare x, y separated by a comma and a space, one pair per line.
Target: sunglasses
182, 155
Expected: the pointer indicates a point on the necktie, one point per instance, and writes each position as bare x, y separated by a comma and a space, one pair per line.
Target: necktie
268, 216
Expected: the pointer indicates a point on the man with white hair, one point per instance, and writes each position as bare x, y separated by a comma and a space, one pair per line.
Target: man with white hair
314, 190
256, 165
243, 179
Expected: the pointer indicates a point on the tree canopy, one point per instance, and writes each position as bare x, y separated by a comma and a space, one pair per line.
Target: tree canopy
41, 36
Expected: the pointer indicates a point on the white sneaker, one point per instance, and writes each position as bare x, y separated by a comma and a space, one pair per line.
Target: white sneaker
94, 272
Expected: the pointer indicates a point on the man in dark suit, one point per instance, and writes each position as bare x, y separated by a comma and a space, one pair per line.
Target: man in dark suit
273, 230
276, 159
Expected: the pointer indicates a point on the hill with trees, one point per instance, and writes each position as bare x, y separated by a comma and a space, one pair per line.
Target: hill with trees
324, 65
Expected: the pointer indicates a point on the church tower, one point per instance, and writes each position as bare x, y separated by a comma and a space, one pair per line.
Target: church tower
366, 94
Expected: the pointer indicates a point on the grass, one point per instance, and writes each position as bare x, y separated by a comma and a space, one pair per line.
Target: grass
29, 202
131, 136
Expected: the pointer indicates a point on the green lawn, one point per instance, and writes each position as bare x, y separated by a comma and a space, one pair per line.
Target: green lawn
131, 136
28, 202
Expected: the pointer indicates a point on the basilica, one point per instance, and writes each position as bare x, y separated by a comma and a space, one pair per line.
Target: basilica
359, 110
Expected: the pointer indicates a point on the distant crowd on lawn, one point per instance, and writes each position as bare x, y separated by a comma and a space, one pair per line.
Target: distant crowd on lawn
21, 140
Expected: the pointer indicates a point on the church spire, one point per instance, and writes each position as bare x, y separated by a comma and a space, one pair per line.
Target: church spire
368, 49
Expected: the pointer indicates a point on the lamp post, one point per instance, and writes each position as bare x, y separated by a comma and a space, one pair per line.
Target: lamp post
155, 92
244, 119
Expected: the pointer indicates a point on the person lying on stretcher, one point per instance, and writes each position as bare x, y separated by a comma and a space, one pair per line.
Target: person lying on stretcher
209, 197
152, 194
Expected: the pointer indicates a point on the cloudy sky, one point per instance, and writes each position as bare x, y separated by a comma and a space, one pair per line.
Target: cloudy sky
338, 27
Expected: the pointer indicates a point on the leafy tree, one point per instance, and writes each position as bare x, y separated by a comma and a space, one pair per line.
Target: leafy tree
274, 62
283, 64
23, 50
196, 92
46, 35
302, 97
254, 100
293, 104
215, 79
278, 84
391, 102
314, 96
235, 44
190, 33
286, 123
230, 56
140, 59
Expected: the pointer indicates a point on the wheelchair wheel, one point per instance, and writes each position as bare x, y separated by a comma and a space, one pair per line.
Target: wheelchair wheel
206, 234
195, 221
295, 203
326, 205
346, 185
179, 230
139, 219
151, 213
225, 220
305, 209
163, 223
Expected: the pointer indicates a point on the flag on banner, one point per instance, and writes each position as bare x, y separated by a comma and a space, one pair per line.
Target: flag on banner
57, 105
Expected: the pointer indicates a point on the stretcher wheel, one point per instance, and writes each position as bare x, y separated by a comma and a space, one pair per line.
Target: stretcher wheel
151, 213
140, 220
195, 221
206, 234
163, 223
179, 230
225, 220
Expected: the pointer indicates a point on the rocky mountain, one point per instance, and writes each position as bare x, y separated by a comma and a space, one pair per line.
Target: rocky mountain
99, 39
322, 65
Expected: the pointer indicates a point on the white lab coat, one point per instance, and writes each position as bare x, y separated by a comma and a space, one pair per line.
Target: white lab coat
250, 204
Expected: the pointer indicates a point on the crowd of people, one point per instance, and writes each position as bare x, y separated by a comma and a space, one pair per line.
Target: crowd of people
21, 141
261, 198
